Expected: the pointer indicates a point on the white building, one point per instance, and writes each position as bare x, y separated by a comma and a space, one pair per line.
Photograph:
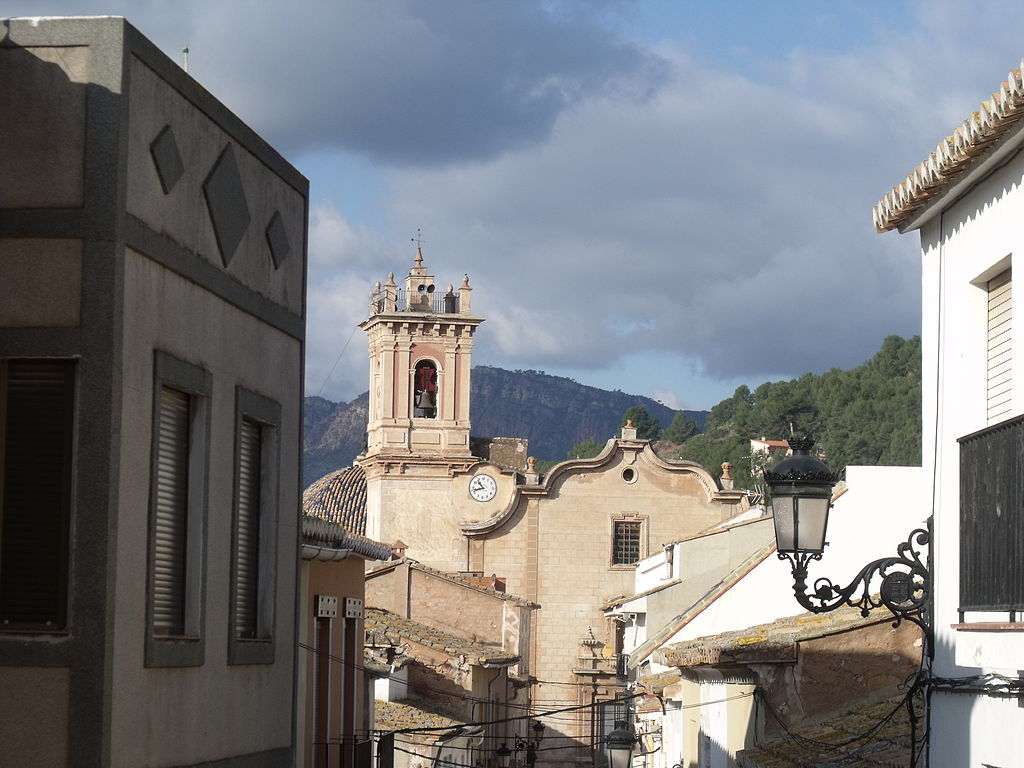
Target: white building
967, 203
728, 580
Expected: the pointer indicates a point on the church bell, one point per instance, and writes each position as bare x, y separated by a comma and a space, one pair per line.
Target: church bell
427, 399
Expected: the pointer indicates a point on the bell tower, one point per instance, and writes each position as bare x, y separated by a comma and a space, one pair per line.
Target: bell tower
421, 344
417, 437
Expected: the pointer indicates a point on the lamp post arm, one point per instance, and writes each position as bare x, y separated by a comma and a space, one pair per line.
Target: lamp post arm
903, 580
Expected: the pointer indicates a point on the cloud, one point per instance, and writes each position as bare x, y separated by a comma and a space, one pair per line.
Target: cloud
400, 81
609, 197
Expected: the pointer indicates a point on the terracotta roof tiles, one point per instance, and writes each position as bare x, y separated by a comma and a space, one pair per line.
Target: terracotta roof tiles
339, 497
954, 155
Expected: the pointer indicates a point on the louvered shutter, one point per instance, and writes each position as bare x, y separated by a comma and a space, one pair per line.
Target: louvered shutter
247, 544
36, 492
171, 534
1000, 348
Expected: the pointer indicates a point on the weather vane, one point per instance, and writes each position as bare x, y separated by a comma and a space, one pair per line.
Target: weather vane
418, 239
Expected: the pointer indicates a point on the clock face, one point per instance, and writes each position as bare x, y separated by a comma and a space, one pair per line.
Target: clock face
483, 488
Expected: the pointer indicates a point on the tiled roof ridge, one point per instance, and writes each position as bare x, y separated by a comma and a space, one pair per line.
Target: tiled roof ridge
782, 633
657, 638
437, 639
317, 531
463, 581
617, 600
971, 139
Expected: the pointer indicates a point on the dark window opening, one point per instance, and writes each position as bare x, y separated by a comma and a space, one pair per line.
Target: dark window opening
425, 391
36, 419
626, 543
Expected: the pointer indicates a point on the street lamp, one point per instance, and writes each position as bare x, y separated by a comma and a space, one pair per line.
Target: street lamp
618, 746
800, 487
503, 753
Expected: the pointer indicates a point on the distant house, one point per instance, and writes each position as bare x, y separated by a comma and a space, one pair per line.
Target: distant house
152, 324
966, 201
335, 700
439, 674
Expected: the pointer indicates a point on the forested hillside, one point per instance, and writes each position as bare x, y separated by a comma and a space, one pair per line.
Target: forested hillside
552, 412
867, 415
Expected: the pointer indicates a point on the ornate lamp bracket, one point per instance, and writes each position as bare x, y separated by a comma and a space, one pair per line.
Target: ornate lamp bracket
901, 583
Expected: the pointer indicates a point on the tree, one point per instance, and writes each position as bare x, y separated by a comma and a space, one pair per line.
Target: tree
585, 449
647, 427
681, 429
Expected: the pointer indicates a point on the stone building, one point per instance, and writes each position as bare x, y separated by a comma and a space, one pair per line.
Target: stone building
152, 323
565, 541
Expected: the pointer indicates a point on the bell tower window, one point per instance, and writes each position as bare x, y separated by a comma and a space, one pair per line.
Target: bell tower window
425, 391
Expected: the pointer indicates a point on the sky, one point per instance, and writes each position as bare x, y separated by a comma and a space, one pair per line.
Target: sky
665, 197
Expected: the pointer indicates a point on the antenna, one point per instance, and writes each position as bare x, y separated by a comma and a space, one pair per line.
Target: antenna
184, 58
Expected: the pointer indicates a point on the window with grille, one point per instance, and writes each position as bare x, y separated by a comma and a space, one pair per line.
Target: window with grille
626, 542
177, 513
36, 433
253, 574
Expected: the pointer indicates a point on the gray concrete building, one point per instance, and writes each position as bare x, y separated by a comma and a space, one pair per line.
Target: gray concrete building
152, 320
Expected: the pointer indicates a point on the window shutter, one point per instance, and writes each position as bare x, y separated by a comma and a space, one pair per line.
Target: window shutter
170, 538
1000, 348
247, 546
36, 491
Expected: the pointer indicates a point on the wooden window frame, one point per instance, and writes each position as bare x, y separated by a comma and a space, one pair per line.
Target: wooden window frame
187, 649
641, 522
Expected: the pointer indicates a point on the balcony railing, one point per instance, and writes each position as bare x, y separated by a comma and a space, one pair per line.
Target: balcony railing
431, 303
992, 518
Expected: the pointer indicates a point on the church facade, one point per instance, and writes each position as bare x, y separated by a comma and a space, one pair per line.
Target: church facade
566, 541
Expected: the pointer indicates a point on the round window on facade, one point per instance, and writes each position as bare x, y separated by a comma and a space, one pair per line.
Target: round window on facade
629, 475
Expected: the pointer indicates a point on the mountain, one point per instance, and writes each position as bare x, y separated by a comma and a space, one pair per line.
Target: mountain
554, 413
869, 415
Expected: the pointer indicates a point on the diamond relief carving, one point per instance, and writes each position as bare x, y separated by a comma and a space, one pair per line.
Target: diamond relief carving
167, 159
225, 200
277, 239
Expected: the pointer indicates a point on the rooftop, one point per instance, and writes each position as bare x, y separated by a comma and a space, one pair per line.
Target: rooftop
339, 497
955, 156
400, 629
888, 747
772, 642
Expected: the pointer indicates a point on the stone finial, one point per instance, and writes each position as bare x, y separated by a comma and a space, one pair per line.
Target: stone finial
376, 287
465, 292
727, 481
531, 464
629, 423
391, 278
451, 288
419, 258
629, 431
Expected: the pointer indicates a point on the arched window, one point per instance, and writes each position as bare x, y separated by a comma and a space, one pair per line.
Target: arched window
424, 401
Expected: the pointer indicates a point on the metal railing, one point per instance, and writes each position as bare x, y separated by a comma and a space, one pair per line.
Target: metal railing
431, 303
992, 518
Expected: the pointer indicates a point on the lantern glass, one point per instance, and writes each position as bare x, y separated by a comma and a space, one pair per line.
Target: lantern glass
811, 520
619, 747
785, 525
